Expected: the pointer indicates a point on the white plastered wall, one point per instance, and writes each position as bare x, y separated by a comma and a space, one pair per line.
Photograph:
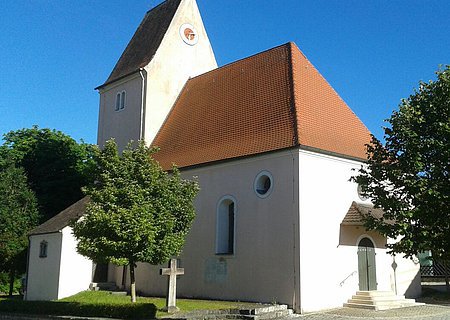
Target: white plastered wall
122, 125
406, 279
76, 270
265, 263
328, 251
43, 273
173, 64
165, 76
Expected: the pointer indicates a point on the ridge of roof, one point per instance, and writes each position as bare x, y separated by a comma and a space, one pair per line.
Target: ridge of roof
145, 41
62, 219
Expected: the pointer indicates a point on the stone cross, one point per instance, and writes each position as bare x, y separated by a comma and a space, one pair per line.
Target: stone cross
172, 272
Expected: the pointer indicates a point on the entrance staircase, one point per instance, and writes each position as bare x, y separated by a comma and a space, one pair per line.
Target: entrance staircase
379, 300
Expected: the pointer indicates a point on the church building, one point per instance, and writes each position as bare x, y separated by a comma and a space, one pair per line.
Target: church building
272, 146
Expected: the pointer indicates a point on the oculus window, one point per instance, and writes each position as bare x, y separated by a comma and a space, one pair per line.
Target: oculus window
361, 194
263, 184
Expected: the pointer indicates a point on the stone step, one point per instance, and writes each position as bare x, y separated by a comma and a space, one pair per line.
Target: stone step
103, 286
370, 307
265, 312
266, 309
268, 315
374, 293
378, 300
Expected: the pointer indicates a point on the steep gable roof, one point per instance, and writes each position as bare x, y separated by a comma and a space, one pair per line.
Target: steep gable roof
270, 101
62, 219
358, 212
146, 40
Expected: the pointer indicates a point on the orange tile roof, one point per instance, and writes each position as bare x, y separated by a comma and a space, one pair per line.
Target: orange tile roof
357, 213
270, 101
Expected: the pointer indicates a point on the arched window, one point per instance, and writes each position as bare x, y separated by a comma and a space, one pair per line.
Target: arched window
121, 98
226, 220
43, 249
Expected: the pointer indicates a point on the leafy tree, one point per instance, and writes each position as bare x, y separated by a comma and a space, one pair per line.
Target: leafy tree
137, 212
55, 164
18, 215
408, 175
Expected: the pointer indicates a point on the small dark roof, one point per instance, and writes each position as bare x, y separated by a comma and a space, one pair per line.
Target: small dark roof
62, 219
145, 42
358, 211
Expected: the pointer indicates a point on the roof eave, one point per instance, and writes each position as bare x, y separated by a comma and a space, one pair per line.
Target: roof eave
117, 79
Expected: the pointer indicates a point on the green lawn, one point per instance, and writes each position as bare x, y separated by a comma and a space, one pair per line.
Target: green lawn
104, 304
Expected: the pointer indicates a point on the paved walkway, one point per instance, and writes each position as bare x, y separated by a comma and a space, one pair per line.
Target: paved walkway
426, 312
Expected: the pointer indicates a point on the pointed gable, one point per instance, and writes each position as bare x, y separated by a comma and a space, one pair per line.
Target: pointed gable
271, 101
146, 40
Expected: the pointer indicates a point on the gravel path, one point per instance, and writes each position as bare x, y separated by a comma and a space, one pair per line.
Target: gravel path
426, 312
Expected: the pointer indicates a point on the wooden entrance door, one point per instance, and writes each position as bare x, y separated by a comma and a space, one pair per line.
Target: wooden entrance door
366, 265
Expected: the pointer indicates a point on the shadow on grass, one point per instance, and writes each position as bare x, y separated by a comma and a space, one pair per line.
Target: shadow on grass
122, 311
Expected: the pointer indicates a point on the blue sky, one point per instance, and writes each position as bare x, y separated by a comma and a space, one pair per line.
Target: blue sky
54, 53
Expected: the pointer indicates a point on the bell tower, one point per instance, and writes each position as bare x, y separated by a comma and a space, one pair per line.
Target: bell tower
169, 46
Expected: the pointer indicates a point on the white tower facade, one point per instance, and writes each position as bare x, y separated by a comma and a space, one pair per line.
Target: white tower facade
169, 47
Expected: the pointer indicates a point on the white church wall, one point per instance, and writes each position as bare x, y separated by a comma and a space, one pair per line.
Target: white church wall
122, 124
43, 272
173, 64
264, 262
328, 250
406, 278
75, 270
329, 269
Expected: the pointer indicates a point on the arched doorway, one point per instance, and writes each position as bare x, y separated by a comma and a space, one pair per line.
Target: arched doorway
366, 265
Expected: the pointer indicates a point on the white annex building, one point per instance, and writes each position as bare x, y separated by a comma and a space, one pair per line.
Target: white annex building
272, 146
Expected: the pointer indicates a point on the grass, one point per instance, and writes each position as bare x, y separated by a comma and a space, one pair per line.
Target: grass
104, 304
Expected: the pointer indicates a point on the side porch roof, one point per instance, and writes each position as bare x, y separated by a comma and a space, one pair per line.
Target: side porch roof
62, 219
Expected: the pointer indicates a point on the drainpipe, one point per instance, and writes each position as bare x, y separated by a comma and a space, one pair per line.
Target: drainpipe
143, 104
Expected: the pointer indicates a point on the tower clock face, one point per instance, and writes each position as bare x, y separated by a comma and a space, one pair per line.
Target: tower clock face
189, 34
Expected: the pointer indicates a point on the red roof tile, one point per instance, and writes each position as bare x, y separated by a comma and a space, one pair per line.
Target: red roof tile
324, 120
271, 101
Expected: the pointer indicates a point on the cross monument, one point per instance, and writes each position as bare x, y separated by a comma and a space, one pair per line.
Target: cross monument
172, 271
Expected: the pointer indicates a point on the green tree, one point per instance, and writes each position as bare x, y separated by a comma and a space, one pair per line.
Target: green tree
55, 164
18, 215
137, 212
408, 175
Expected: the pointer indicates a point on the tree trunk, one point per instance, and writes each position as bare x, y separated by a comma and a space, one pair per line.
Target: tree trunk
12, 276
132, 282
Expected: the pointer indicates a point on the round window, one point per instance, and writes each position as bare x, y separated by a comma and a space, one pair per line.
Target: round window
189, 34
263, 184
360, 193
